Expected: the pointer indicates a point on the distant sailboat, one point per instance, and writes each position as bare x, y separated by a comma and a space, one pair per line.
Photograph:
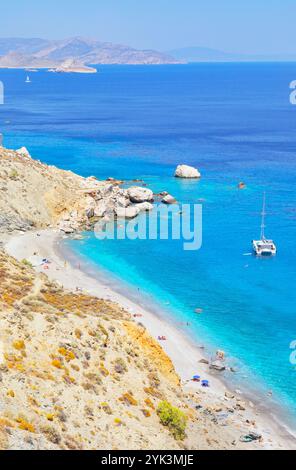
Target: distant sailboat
28, 79
264, 247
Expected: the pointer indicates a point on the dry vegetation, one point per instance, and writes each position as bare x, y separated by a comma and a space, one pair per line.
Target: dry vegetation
75, 368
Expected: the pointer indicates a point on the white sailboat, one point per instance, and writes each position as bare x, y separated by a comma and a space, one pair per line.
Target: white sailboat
264, 247
28, 79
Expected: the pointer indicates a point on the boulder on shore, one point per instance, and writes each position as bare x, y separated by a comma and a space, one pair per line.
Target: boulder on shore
127, 212
144, 206
138, 194
185, 171
168, 199
217, 365
66, 227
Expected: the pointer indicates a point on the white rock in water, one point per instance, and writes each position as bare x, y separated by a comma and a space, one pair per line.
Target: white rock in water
185, 171
127, 212
168, 199
144, 206
137, 194
23, 152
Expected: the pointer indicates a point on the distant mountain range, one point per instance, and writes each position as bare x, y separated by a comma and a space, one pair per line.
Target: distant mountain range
39, 53
76, 54
204, 54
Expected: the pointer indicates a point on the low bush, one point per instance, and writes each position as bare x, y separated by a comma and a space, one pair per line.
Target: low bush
173, 418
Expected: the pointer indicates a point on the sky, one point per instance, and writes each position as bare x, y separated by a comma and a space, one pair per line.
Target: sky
245, 26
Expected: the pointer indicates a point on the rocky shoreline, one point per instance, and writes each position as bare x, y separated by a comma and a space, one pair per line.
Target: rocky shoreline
64, 331
39, 195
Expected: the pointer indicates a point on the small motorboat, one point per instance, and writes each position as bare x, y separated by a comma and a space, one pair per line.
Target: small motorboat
264, 247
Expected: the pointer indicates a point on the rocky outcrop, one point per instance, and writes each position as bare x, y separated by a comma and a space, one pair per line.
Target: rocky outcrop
13, 223
138, 194
23, 151
63, 199
185, 171
100, 209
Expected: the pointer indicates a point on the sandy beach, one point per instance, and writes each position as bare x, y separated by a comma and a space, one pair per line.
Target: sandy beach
185, 356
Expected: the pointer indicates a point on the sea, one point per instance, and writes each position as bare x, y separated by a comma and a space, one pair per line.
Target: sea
235, 123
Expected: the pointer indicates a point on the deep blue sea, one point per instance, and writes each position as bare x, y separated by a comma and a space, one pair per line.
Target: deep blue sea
235, 123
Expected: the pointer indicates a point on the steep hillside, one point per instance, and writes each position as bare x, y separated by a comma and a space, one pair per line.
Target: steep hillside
77, 372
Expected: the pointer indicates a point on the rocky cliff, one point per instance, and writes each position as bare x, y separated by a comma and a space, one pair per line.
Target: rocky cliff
38, 196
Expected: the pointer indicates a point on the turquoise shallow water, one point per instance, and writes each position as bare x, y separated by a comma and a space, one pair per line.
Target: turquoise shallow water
235, 123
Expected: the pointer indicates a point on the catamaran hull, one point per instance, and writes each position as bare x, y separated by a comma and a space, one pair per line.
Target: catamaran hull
264, 252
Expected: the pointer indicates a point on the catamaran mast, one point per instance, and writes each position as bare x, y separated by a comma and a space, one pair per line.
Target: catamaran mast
263, 218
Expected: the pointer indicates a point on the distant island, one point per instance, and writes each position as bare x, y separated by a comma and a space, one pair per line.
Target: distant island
205, 54
80, 55
72, 66
73, 55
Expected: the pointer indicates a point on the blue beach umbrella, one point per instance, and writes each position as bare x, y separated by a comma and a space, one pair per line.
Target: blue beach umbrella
205, 383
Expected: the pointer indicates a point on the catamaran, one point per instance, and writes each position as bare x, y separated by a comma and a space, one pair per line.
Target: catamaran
264, 247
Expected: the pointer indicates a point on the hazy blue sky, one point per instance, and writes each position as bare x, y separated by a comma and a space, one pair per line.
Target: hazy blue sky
255, 26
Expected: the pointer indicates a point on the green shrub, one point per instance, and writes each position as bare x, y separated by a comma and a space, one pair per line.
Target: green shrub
27, 263
173, 418
13, 174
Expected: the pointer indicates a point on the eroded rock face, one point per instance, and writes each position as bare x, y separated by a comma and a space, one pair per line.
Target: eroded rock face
100, 209
185, 171
11, 223
137, 194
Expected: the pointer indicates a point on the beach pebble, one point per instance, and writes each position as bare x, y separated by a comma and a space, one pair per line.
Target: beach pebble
240, 405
